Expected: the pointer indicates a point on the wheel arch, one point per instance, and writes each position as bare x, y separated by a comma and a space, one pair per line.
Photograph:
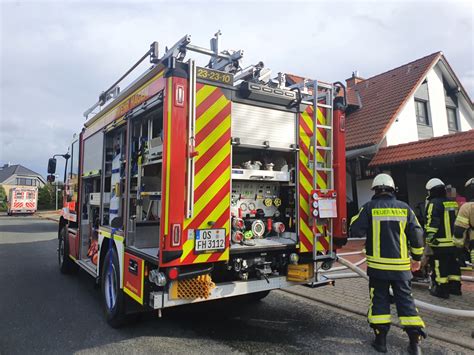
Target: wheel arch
105, 245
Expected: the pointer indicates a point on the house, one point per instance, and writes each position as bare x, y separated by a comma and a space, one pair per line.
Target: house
18, 175
414, 122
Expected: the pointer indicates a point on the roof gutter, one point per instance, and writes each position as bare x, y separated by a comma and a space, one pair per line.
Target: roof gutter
354, 153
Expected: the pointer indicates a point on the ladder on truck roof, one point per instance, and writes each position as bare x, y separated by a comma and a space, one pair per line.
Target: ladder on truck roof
322, 98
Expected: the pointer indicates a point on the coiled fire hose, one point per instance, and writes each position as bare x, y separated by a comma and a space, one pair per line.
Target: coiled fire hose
423, 305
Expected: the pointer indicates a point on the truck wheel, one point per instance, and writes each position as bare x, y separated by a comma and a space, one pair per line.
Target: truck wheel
112, 295
66, 265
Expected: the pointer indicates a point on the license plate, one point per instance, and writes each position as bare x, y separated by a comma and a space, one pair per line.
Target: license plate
209, 240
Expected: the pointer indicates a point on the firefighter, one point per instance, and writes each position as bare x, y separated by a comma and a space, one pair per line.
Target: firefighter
440, 216
464, 224
392, 233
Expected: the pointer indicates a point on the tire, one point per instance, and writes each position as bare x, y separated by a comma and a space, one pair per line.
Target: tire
66, 265
112, 296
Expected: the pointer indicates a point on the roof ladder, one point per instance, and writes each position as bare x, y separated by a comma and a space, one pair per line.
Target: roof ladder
323, 98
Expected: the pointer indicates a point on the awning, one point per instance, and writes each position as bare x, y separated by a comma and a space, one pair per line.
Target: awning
451, 144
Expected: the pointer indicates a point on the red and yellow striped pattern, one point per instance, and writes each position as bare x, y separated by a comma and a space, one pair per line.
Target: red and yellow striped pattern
305, 175
212, 171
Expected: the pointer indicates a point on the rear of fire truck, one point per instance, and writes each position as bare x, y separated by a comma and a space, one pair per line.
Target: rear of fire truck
216, 182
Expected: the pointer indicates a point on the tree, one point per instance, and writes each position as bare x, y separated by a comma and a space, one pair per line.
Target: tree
46, 197
3, 199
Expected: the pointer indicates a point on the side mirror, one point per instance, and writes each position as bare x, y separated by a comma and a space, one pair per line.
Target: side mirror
51, 178
51, 166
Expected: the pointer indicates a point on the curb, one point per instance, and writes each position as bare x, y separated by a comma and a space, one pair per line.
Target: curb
433, 334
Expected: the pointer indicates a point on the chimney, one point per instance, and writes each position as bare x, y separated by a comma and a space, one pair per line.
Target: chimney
354, 79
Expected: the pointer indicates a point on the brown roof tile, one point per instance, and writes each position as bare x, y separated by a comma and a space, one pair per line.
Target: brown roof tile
450, 144
382, 97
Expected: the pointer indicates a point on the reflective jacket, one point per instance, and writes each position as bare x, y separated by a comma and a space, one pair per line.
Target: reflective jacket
464, 224
440, 216
393, 233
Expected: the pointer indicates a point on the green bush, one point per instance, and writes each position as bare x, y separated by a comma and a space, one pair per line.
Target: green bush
3, 199
46, 198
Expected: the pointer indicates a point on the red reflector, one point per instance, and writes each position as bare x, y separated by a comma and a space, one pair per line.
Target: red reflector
176, 235
173, 273
179, 95
344, 226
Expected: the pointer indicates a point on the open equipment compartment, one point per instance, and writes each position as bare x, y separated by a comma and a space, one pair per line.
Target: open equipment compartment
145, 183
264, 194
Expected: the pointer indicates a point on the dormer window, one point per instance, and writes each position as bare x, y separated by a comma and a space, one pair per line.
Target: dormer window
452, 119
421, 109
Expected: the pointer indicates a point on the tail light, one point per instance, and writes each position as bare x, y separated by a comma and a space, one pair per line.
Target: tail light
176, 235
173, 273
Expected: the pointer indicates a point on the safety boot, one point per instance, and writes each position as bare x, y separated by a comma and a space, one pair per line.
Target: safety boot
439, 291
455, 288
415, 335
380, 341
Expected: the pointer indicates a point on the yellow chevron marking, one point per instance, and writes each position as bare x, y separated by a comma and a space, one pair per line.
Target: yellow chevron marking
305, 183
225, 255
211, 113
207, 143
204, 93
207, 196
306, 231
187, 248
217, 212
211, 165
320, 181
321, 140
308, 120
304, 204
321, 118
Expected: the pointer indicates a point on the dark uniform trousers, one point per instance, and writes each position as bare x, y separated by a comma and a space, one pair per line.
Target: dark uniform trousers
441, 214
445, 268
379, 309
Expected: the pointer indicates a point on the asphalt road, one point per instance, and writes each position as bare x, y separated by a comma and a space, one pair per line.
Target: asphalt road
43, 311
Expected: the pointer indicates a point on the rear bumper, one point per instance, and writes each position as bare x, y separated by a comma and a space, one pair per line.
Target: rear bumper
159, 300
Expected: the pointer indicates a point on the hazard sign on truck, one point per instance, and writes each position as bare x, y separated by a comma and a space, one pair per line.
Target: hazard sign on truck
195, 183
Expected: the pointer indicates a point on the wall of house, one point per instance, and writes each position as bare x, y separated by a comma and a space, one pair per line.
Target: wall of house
416, 188
404, 129
364, 192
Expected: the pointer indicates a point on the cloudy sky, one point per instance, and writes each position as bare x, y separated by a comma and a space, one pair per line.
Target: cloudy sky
57, 56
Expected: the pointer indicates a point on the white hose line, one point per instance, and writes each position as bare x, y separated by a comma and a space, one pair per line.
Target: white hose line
342, 275
339, 268
351, 253
421, 304
467, 278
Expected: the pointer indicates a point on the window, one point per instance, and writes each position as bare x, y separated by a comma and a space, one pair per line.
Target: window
30, 195
421, 109
452, 119
18, 195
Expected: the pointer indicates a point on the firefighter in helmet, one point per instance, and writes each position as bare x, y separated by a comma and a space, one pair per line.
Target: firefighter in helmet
440, 217
392, 234
464, 224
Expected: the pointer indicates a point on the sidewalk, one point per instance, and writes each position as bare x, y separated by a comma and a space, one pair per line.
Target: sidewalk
51, 215
353, 296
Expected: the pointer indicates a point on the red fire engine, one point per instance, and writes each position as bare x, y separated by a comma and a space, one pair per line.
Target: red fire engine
199, 183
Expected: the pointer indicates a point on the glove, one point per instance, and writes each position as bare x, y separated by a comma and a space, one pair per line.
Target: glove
461, 257
430, 239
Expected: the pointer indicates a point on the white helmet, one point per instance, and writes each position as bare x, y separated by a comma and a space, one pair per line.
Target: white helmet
383, 180
435, 182
469, 182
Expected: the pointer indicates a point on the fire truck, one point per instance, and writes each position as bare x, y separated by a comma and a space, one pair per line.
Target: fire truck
22, 200
197, 183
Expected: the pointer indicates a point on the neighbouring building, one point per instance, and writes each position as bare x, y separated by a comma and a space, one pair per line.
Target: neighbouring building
18, 175
414, 122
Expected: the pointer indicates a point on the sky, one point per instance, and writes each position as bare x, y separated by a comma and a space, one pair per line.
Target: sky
57, 56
